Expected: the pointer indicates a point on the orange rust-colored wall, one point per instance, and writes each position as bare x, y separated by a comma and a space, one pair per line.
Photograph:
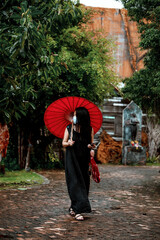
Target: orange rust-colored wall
116, 24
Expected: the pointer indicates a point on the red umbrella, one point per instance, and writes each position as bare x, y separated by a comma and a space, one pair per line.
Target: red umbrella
59, 114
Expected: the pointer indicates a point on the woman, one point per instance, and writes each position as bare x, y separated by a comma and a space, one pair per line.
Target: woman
77, 162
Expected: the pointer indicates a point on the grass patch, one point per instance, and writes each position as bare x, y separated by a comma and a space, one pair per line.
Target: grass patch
153, 164
19, 178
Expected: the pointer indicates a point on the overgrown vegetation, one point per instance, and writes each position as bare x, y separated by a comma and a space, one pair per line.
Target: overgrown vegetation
153, 161
45, 54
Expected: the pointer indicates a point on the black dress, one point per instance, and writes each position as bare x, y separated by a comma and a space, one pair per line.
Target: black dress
77, 173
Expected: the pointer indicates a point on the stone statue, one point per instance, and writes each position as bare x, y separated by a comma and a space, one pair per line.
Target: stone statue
133, 126
132, 151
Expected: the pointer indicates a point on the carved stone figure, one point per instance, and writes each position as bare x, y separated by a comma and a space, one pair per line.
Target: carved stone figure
133, 126
132, 151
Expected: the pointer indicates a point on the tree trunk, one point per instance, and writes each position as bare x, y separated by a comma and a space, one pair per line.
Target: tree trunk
153, 136
21, 148
27, 166
24, 150
27, 163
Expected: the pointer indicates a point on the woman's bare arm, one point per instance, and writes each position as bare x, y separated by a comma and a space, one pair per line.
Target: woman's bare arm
92, 145
66, 142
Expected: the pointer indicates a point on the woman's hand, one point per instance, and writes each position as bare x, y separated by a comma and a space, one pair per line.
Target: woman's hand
91, 146
92, 153
70, 143
66, 141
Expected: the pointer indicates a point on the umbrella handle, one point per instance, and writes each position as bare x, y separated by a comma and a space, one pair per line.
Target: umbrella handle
72, 132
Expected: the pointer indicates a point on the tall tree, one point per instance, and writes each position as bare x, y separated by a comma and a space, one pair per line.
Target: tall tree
144, 86
47, 54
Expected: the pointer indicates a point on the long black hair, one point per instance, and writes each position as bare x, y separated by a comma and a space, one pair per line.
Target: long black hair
83, 119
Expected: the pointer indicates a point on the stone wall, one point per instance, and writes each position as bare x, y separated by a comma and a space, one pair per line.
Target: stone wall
117, 25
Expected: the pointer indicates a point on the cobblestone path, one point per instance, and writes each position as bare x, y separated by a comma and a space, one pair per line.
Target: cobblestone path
125, 206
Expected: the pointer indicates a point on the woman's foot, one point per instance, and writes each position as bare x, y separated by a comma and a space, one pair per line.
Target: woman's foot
79, 217
71, 212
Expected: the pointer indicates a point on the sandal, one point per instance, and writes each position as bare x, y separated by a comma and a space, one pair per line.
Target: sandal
71, 212
79, 217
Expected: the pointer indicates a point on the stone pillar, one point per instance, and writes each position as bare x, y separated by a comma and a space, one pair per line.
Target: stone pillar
132, 152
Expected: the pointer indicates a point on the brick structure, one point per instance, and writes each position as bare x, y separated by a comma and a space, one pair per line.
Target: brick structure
116, 24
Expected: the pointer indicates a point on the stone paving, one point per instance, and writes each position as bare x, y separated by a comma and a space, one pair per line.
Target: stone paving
125, 206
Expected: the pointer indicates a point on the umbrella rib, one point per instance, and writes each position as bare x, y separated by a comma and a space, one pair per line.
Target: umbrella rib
77, 103
90, 107
65, 103
60, 129
70, 104
59, 107
56, 123
53, 117
82, 102
53, 109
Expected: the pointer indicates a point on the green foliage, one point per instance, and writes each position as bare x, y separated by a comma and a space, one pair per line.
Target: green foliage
40, 47
54, 160
84, 63
144, 86
153, 160
45, 159
45, 54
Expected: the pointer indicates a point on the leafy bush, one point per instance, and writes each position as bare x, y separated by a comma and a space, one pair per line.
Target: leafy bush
153, 160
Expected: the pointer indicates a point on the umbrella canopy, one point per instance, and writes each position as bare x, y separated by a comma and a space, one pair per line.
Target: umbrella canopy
59, 114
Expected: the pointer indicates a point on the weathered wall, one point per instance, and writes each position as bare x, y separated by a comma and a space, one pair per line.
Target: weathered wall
116, 24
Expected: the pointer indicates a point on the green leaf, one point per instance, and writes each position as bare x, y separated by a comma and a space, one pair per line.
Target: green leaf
32, 105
